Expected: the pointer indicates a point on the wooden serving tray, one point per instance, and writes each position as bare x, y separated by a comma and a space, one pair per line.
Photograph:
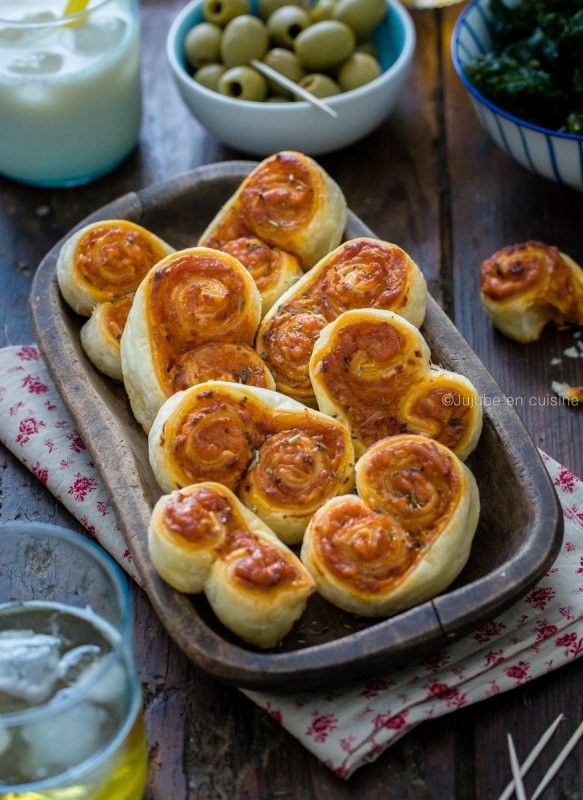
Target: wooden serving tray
518, 536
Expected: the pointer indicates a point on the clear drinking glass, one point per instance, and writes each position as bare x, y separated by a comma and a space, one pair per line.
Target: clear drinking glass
71, 724
70, 93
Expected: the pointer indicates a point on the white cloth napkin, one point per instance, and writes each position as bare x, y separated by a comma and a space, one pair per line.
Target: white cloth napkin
349, 727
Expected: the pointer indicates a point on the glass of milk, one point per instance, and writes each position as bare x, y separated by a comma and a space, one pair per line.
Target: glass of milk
71, 722
70, 93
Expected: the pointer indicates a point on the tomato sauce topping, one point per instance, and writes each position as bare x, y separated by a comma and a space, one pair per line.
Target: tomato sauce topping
415, 482
368, 550
113, 259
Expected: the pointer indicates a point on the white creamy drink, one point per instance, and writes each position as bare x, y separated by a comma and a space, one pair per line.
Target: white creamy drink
70, 99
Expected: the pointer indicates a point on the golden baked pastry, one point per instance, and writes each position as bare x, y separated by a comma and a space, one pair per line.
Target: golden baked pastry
104, 260
190, 298
524, 286
288, 202
202, 539
101, 334
373, 369
282, 459
272, 269
404, 538
360, 273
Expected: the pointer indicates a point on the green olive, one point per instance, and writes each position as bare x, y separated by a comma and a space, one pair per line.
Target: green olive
243, 83
267, 7
319, 85
277, 98
362, 16
286, 62
209, 75
358, 69
367, 47
324, 9
286, 23
202, 44
243, 39
325, 45
223, 11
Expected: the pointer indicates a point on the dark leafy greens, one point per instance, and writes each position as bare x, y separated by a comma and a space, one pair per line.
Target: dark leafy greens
535, 68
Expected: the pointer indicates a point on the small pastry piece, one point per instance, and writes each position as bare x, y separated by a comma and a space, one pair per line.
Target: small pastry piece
101, 334
573, 394
407, 535
524, 286
202, 539
288, 201
191, 297
272, 269
104, 260
282, 459
360, 273
372, 369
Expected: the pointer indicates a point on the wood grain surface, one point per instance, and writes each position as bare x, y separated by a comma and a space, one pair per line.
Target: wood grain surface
429, 180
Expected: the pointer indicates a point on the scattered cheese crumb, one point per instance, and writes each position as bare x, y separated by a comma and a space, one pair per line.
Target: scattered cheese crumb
555, 361
572, 352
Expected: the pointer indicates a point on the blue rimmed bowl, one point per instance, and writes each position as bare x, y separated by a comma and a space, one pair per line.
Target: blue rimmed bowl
557, 156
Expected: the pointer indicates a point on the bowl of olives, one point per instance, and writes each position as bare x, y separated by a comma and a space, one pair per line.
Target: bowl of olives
240, 66
520, 63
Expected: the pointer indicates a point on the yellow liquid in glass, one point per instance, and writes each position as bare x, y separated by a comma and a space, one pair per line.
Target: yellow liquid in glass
125, 780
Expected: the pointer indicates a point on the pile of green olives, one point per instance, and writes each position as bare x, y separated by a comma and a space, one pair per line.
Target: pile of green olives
324, 47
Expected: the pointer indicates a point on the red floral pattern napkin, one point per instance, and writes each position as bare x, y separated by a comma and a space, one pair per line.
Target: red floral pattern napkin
349, 727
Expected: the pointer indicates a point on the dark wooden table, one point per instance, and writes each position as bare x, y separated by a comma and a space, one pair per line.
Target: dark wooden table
431, 181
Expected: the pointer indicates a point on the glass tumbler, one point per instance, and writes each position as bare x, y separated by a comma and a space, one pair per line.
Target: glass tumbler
71, 724
70, 93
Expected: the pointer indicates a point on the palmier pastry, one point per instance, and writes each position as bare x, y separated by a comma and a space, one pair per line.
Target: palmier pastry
282, 459
372, 369
190, 298
105, 260
288, 202
202, 539
101, 334
360, 273
272, 269
524, 286
404, 538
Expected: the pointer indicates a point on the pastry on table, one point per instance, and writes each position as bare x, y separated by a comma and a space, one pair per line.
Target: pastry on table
288, 202
105, 260
372, 369
406, 535
190, 298
101, 334
282, 459
525, 286
202, 539
360, 273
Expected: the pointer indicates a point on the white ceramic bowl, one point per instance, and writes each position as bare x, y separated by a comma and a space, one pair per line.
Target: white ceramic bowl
558, 156
265, 128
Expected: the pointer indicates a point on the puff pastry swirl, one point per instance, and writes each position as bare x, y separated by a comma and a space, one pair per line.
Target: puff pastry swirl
360, 273
282, 459
288, 202
101, 334
524, 286
191, 298
373, 369
404, 538
104, 260
202, 539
